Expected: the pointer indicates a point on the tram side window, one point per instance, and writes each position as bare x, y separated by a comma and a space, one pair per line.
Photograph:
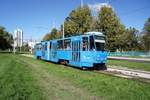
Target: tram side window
35, 47
75, 46
46, 46
43, 47
50, 45
92, 47
85, 43
67, 44
38, 47
60, 44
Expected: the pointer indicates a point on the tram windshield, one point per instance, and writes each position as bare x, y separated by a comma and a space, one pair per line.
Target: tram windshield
97, 43
100, 46
99, 37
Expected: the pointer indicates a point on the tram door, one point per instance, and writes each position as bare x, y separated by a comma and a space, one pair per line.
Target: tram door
54, 51
48, 51
76, 51
44, 51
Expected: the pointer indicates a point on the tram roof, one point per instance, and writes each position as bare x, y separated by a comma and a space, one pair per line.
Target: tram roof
78, 36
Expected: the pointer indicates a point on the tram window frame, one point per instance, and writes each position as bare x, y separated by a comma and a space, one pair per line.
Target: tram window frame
38, 47
54, 46
99, 37
76, 46
73, 46
50, 45
100, 46
79, 45
67, 44
85, 41
60, 44
92, 44
45, 46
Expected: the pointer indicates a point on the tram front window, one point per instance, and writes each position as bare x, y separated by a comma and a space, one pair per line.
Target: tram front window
100, 46
97, 43
96, 37
100, 43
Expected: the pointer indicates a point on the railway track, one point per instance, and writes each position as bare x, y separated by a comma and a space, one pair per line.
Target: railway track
127, 73
147, 60
143, 76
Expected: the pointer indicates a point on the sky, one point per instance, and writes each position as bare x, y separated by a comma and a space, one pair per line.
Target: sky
37, 17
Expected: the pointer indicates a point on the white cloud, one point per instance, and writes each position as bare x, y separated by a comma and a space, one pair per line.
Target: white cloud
97, 7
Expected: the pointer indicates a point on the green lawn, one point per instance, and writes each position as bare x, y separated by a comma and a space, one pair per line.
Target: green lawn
30, 79
129, 64
16, 80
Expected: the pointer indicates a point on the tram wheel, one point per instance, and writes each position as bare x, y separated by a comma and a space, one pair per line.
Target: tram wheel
101, 67
83, 68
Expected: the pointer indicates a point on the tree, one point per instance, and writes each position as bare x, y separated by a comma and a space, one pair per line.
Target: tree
6, 39
130, 39
47, 37
54, 34
78, 21
146, 36
94, 23
110, 25
58, 35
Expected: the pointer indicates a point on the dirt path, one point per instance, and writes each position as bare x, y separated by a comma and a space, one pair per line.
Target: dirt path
56, 88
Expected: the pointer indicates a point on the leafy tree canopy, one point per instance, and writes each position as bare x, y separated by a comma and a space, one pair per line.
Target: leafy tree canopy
110, 25
6, 39
146, 36
54, 34
78, 21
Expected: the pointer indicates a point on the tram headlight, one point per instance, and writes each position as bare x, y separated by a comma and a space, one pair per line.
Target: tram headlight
87, 57
98, 58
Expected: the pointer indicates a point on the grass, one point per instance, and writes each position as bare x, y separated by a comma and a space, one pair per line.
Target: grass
16, 81
26, 78
129, 64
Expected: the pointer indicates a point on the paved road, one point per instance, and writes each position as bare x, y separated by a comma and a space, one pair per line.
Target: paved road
130, 59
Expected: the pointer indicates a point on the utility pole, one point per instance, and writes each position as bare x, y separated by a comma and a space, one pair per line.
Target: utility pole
63, 29
81, 3
107, 1
63, 32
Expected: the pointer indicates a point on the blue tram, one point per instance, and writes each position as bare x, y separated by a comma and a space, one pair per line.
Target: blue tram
84, 51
